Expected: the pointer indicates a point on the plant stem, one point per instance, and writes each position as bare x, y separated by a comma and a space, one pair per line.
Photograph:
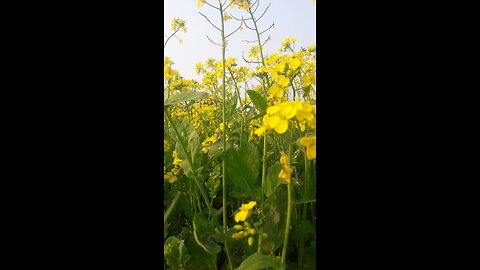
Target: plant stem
224, 186
287, 227
264, 172
304, 215
170, 208
289, 207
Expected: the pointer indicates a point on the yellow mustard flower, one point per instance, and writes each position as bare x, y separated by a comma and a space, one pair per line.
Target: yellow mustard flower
237, 235
175, 170
201, 2
170, 177
282, 81
176, 160
285, 173
245, 211
311, 144
284, 160
294, 63
226, 16
250, 241
165, 145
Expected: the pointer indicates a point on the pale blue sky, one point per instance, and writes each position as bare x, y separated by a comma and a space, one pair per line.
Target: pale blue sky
293, 18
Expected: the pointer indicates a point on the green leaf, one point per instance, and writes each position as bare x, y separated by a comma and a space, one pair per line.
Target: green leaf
201, 260
303, 229
306, 91
258, 261
256, 116
242, 167
182, 97
217, 147
274, 224
189, 138
204, 234
258, 100
176, 254
272, 181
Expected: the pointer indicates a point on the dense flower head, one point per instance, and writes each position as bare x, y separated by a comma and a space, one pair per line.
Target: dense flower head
170, 177
278, 116
241, 4
243, 231
176, 160
178, 24
285, 173
286, 44
254, 52
201, 2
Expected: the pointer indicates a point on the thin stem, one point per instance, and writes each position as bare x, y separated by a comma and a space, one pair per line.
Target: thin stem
264, 172
289, 208
212, 23
165, 45
224, 186
170, 208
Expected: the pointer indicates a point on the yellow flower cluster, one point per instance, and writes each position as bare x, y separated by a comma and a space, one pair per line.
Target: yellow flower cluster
208, 142
168, 72
286, 44
241, 4
178, 24
254, 51
201, 2
244, 230
176, 160
166, 145
277, 116
171, 176
286, 171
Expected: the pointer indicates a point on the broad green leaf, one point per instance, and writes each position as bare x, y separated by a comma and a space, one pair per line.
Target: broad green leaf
189, 138
258, 100
274, 224
258, 261
176, 254
242, 167
201, 260
217, 147
182, 97
303, 229
205, 235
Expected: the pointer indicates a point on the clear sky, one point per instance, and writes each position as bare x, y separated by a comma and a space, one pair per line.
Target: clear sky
292, 18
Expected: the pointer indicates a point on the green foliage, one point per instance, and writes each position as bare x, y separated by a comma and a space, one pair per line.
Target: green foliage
182, 97
176, 254
272, 181
188, 140
274, 224
200, 260
242, 167
259, 101
259, 261
204, 234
